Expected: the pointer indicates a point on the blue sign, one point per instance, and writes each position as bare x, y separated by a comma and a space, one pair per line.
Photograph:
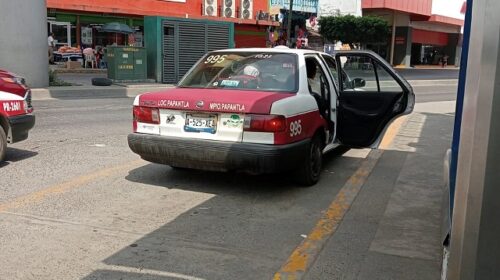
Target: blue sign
308, 6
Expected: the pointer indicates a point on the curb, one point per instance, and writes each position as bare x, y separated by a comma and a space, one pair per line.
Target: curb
82, 92
79, 71
452, 67
448, 82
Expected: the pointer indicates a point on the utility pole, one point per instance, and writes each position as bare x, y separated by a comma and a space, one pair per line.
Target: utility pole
393, 38
289, 24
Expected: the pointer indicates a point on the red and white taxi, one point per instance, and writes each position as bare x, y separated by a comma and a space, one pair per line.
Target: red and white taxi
269, 110
16, 112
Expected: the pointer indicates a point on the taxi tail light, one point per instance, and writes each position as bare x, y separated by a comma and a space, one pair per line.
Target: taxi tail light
146, 115
264, 123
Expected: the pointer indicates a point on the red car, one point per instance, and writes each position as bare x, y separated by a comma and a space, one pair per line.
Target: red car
16, 112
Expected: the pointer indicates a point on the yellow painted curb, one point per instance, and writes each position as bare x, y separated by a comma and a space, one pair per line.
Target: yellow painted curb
306, 253
392, 132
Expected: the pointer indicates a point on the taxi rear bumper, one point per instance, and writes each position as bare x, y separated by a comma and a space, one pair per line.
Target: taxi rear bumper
218, 155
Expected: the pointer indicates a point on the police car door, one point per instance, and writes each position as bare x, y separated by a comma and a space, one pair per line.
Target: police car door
371, 96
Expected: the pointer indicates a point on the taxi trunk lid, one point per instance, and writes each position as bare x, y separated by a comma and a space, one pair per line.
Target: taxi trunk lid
215, 114
213, 100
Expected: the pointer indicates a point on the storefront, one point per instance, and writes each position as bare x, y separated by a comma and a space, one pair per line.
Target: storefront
424, 32
250, 36
80, 24
84, 30
430, 47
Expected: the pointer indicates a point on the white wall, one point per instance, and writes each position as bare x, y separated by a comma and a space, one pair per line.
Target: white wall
432, 26
330, 7
449, 8
23, 40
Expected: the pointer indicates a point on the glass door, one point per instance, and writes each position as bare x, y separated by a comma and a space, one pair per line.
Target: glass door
62, 33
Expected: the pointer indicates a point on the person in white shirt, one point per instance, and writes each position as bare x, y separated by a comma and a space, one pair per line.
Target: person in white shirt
51, 48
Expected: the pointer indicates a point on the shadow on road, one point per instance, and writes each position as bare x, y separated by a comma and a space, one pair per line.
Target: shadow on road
243, 232
15, 155
251, 224
221, 182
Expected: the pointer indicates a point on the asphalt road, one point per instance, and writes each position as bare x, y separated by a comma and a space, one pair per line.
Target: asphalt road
434, 91
76, 203
429, 74
74, 196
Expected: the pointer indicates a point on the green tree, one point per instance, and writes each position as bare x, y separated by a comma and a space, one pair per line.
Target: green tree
351, 29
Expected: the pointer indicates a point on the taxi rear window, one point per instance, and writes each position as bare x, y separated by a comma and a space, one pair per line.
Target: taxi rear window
244, 70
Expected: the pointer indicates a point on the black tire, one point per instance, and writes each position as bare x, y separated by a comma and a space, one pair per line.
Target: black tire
3, 144
309, 172
103, 82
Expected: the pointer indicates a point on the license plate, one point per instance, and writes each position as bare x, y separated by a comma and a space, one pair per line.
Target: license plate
201, 123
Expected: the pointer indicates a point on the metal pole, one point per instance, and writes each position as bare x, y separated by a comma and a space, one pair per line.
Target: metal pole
289, 24
78, 32
459, 105
393, 37
475, 249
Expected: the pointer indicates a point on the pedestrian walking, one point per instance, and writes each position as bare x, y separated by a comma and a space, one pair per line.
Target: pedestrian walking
51, 47
445, 60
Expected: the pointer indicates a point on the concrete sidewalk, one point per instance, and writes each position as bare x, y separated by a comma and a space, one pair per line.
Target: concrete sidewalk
82, 92
82, 88
393, 228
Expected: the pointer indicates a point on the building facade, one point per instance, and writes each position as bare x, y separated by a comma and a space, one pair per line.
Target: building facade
303, 14
337, 8
78, 22
24, 47
424, 32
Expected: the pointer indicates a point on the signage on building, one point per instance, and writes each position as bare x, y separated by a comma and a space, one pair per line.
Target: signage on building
138, 39
400, 40
310, 6
274, 10
86, 36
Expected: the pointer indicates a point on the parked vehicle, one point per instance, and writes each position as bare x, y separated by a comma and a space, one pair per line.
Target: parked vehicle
16, 111
269, 110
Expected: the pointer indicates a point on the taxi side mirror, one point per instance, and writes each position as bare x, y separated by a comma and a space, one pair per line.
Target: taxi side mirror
358, 83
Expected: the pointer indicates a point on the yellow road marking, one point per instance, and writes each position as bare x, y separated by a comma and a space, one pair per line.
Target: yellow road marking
38, 196
306, 253
391, 132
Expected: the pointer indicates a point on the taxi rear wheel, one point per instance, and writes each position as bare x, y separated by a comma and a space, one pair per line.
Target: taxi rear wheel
177, 168
309, 172
3, 144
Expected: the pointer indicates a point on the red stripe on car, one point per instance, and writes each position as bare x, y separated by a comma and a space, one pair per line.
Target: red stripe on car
300, 127
214, 100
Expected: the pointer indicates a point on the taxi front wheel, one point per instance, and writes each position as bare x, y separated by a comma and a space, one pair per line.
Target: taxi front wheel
3, 143
309, 172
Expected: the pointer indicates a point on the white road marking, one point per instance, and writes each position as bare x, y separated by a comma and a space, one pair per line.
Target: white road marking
148, 271
98, 145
